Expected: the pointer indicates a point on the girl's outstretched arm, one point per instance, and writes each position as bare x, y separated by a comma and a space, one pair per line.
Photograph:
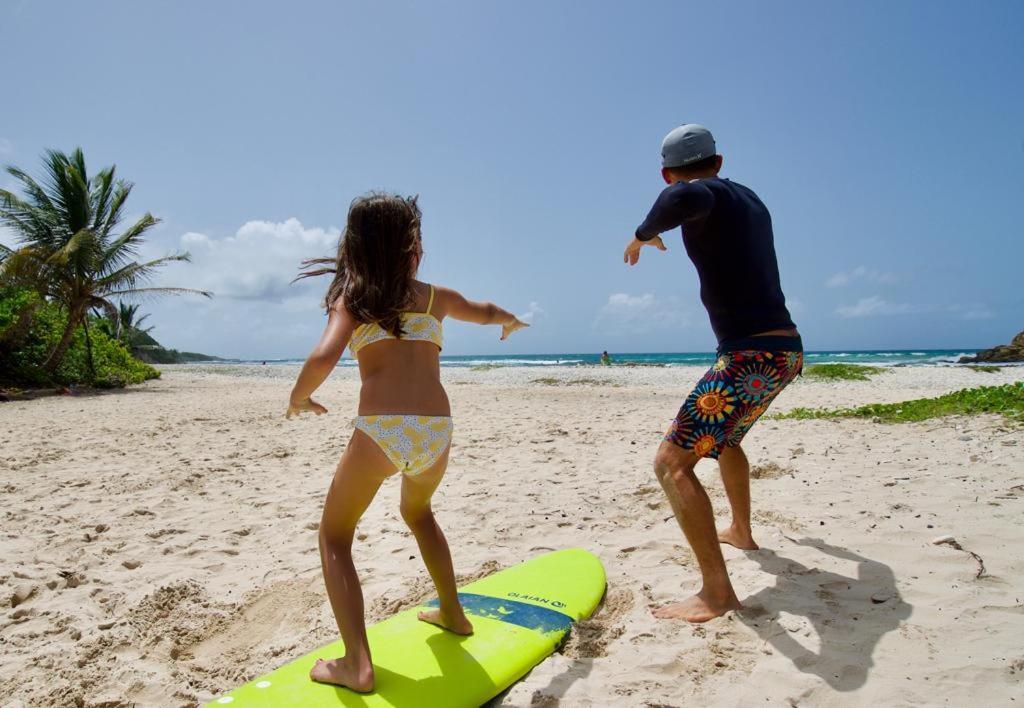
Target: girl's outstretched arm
486, 313
321, 361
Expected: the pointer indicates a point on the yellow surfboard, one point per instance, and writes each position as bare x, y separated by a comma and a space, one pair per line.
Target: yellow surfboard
519, 616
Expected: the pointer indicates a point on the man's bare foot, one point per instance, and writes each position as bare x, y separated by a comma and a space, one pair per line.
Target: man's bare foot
458, 625
696, 609
740, 539
340, 673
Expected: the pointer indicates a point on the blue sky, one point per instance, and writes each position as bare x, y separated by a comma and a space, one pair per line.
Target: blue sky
886, 138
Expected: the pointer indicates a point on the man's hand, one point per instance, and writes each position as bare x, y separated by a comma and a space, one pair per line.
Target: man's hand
302, 406
632, 254
509, 327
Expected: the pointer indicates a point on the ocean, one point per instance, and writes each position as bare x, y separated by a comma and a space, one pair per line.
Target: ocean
892, 357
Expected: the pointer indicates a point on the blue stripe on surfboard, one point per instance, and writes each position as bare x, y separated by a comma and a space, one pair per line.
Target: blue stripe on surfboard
539, 619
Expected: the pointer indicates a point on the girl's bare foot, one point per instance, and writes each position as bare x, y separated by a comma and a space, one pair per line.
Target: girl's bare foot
458, 625
740, 539
696, 609
342, 673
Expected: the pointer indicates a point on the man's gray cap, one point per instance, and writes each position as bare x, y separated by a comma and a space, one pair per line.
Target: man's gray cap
687, 144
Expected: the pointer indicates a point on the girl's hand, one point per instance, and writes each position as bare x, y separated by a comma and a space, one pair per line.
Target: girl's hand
514, 326
304, 405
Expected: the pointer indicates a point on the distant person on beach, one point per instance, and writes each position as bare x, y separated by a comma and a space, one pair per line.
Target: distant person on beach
392, 324
606, 360
727, 233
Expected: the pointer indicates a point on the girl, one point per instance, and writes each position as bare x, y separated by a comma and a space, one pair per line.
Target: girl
392, 323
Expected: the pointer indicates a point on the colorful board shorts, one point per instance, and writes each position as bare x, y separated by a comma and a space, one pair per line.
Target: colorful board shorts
734, 393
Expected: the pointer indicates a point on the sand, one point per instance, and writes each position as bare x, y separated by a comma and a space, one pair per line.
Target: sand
159, 544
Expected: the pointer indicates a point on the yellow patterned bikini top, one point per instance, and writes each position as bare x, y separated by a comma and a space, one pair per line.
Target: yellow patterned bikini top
416, 327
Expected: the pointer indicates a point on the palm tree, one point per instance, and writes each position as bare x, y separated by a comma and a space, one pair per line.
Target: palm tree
127, 328
66, 232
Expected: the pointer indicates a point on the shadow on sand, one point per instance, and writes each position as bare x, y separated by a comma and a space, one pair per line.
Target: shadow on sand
556, 688
452, 660
850, 615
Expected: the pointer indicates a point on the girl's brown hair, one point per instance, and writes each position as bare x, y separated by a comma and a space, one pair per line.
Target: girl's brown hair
378, 255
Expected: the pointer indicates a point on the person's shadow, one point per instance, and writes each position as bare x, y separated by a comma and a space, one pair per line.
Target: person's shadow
849, 614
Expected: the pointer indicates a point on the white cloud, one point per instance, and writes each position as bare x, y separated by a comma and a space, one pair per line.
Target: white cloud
533, 312
875, 305
257, 263
861, 273
975, 311
641, 314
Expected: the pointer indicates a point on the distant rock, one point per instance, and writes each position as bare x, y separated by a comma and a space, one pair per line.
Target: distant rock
1014, 351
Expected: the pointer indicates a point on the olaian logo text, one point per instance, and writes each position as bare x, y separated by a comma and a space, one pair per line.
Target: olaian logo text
534, 598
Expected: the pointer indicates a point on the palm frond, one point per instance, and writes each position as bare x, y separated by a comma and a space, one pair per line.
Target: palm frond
142, 293
82, 241
109, 311
25, 267
121, 192
30, 187
130, 275
102, 190
124, 247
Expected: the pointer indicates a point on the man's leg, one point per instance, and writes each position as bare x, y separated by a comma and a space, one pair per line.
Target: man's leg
736, 478
674, 467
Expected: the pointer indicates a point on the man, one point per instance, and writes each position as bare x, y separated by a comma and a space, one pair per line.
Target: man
727, 232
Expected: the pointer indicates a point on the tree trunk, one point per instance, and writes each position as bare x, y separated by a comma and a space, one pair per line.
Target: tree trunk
57, 355
88, 348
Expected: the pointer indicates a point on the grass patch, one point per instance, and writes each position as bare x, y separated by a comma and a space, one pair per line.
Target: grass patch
986, 369
1007, 400
842, 372
485, 367
550, 381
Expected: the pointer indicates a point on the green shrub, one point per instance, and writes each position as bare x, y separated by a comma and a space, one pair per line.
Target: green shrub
23, 366
12, 302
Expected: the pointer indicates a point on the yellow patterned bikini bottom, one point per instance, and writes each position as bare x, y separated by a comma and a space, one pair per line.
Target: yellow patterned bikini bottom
413, 443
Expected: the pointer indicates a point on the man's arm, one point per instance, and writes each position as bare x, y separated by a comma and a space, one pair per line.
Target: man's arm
677, 204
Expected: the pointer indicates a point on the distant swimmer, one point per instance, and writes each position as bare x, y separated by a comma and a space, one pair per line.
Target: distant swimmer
727, 233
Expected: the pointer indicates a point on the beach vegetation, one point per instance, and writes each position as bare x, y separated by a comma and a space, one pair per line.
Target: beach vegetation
70, 248
551, 381
92, 358
1006, 400
842, 372
986, 369
72, 257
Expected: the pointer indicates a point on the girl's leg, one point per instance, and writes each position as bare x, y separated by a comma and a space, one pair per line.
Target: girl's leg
416, 493
362, 469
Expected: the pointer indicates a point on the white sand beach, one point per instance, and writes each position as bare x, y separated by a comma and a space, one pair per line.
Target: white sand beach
159, 543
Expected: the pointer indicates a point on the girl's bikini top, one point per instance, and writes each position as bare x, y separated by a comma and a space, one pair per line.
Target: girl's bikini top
416, 327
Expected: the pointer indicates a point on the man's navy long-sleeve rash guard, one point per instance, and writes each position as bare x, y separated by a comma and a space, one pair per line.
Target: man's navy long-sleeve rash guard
727, 232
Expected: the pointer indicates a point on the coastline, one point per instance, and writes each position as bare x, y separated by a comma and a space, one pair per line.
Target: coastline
879, 357
168, 544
